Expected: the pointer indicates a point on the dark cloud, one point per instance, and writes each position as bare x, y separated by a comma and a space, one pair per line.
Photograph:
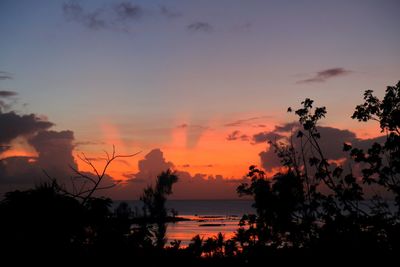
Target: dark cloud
14, 125
264, 137
200, 26
197, 186
324, 75
331, 143
5, 75
19, 173
127, 10
54, 150
169, 13
6, 94
237, 135
152, 165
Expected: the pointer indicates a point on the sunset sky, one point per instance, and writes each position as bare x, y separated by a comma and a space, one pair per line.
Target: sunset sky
197, 80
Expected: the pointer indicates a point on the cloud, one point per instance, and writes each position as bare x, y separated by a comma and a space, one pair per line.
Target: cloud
324, 75
264, 137
108, 17
5, 75
169, 13
127, 10
54, 150
152, 165
74, 12
14, 125
30, 132
244, 121
237, 135
331, 143
89, 143
6, 94
191, 126
197, 186
200, 26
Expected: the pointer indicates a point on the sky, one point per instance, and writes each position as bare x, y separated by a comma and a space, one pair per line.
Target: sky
199, 84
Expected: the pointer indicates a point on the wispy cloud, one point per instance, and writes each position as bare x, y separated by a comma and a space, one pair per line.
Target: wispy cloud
192, 126
200, 26
169, 13
93, 20
324, 75
244, 121
237, 135
111, 16
127, 10
5, 75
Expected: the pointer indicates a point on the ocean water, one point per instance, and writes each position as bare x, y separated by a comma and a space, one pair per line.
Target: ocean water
208, 217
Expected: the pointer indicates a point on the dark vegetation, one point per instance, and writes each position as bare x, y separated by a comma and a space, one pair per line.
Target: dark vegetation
312, 207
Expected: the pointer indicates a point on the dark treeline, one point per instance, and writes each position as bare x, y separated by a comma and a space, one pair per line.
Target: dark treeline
313, 206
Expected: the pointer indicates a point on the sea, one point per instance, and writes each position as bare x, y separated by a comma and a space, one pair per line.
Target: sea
207, 217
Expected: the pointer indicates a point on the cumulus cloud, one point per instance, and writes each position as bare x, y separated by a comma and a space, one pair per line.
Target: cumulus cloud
31, 132
324, 75
200, 26
152, 165
331, 143
54, 150
197, 186
14, 125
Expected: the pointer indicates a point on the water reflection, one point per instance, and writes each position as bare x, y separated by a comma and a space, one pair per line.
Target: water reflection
205, 226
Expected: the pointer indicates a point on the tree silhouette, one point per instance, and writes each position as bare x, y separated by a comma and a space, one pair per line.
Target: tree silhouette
314, 203
84, 185
154, 200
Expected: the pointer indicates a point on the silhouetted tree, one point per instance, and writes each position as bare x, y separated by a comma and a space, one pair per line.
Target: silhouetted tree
83, 184
314, 203
154, 199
